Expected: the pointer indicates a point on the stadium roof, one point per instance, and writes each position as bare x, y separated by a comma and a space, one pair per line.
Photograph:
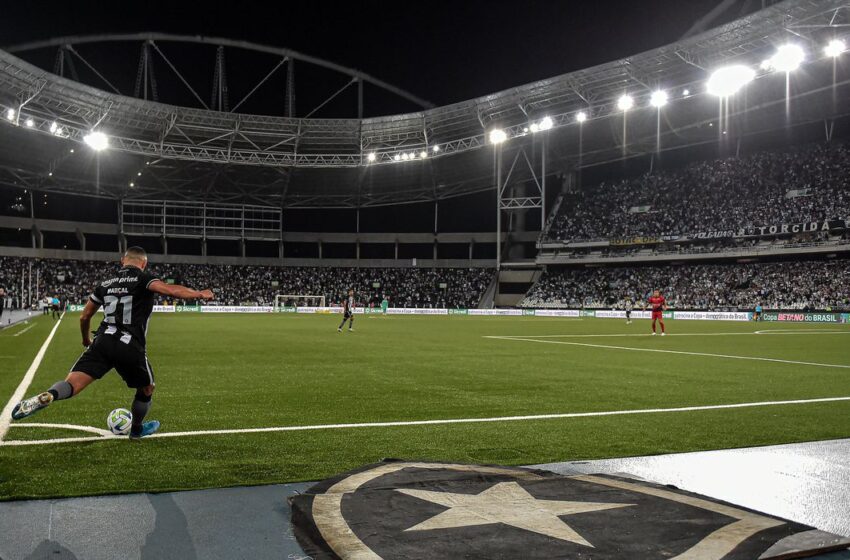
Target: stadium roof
167, 151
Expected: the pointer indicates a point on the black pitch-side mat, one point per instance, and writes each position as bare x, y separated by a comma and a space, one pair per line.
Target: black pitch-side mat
422, 510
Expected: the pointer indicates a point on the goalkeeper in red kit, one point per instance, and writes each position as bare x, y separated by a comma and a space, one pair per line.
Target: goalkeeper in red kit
659, 304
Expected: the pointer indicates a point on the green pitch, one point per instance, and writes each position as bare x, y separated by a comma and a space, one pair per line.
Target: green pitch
234, 372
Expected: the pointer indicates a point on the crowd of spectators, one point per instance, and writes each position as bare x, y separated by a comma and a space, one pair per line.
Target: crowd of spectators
73, 281
815, 285
807, 184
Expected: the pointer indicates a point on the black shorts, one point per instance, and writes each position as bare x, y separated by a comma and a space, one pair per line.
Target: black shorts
628, 312
108, 352
346, 315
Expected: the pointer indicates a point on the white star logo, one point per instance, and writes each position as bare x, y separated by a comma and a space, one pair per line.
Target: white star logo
508, 503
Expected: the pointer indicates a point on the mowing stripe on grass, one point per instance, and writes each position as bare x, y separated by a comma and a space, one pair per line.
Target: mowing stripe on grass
439, 422
708, 354
6, 415
19, 333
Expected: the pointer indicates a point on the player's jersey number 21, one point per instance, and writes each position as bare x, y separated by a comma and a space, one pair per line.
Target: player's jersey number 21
110, 308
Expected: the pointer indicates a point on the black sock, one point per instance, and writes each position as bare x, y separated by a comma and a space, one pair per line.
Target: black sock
61, 390
140, 408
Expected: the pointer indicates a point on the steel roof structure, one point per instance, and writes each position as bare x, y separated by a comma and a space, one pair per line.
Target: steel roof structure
166, 151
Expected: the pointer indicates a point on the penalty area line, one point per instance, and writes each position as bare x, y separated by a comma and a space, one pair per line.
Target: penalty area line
438, 422
682, 352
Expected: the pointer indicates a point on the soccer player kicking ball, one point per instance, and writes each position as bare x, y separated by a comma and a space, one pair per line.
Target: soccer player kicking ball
348, 312
659, 304
127, 298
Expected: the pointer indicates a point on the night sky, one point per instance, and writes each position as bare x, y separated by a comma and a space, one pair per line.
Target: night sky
441, 51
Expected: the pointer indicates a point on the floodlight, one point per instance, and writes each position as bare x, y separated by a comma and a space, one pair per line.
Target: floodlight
436, 149
787, 58
132, 184
625, 102
686, 92
396, 157
50, 174
834, 48
404, 156
53, 127
658, 98
10, 114
728, 80
534, 127
371, 156
581, 116
545, 123
97, 141
423, 154
30, 123
497, 136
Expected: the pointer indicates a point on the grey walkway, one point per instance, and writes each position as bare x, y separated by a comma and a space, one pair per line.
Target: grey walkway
808, 482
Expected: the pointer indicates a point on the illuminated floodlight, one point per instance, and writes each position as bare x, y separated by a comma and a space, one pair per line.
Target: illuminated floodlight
436, 149
658, 98
371, 156
132, 184
581, 116
625, 102
787, 58
30, 123
53, 127
728, 80
497, 136
686, 92
545, 123
834, 48
396, 157
404, 156
423, 154
534, 127
10, 114
97, 141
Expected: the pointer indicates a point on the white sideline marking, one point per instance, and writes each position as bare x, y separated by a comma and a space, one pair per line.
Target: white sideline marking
19, 333
728, 356
800, 331
775, 331
6, 414
437, 422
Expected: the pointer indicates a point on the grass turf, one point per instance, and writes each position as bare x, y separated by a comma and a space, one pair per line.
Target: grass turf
253, 371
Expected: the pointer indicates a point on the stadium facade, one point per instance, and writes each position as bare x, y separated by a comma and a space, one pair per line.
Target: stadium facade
473, 184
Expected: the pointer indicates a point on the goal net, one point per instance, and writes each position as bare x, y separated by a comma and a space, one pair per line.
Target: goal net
297, 300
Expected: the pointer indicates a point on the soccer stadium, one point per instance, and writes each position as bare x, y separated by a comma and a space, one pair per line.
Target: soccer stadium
475, 280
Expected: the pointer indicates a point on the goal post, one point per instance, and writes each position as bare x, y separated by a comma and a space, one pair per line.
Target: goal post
298, 300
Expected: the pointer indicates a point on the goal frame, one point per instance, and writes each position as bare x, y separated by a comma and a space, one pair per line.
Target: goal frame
278, 298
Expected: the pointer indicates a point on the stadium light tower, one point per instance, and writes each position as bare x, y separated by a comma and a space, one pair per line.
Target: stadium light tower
371, 156
625, 102
728, 80
658, 99
834, 48
497, 136
581, 116
97, 141
545, 123
787, 58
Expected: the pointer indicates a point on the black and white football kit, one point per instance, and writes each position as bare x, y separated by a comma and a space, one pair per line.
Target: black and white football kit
119, 342
348, 308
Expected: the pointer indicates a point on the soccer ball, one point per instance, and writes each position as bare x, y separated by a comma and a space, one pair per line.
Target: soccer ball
119, 421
